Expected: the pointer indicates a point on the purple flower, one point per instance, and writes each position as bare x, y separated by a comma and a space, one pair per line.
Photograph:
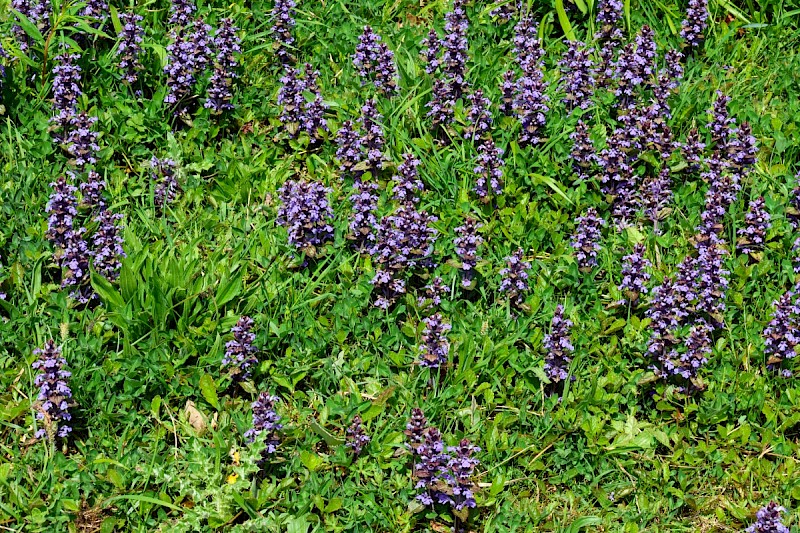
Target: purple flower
227, 46
415, 429
712, 278
107, 244
796, 259
768, 520
721, 126
266, 423
530, 100
617, 178
297, 113
461, 467
634, 274
164, 174
455, 49
586, 239
54, 393
407, 184
62, 208
440, 107
430, 466
635, 66
657, 195
66, 91
577, 75
356, 437
405, 239
558, 346
608, 36
96, 9
373, 141
695, 23
363, 221
431, 48
240, 354
685, 362
692, 150
375, 62
489, 169
508, 89
467, 244
782, 334
181, 12
756, 224
433, 293
306, 214
129, 50
349, 151
515, 277
81, 141
38, 13
583, 152
188, 56
435, 347
92, 190
75, 261
282, 24
479, 118
740, 153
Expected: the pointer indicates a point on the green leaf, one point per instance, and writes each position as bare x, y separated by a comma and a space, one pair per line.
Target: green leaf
107, 292
329, 438
28, 27
115, 19
209, 390
227, 290
564, 20
311, 460
334, 505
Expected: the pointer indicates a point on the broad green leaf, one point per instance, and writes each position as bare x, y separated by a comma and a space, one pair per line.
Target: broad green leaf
209, 390
311, 460
28, 27
564, 20
111, 297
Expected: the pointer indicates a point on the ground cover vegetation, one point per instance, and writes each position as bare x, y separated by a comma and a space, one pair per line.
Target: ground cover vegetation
399, 266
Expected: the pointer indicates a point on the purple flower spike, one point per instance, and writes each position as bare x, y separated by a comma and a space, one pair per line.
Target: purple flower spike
407, 184
107, 241
129, 50
634, 274
297, 113
66, 91
489, 170
467, 244
349, 147
692, 150
356, 437
266, 423
181, 12
793, 211
796, 253
782, 335
455, 49
415, 429
92, 190
430, 468
165, 175
375, 62
635, 66
373, 141
282, 25
62, 208
721, 126
508, 89
577, 75
586, 239
81, 141
440, 107
608, 36
515, 277
432, 295
768, 520
695, 23
583, 152
37, 12
405, 239
188, 56
75, 261
435, 347
54, 397
306, 214
559, 348
227, 47
431, 47
657, 196
461, 468
530, 100
756, 223
363, 221
240, 354
479, 118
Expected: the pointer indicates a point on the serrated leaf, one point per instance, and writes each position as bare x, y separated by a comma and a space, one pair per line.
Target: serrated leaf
209, 390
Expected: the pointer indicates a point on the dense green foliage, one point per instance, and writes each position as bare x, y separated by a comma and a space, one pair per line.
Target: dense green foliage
158, 431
